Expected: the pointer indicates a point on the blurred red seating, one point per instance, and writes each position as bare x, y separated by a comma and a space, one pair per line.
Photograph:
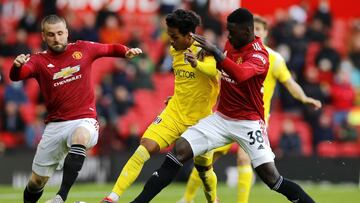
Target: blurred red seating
275, 130
1, 95
328, 149
27, 112
349, 149
312, 50
32, 90
6, 65
336, 149
147, 105
34, 41
101, 67
339, 33
11, 140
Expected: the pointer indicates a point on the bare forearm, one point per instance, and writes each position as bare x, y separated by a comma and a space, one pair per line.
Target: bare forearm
295, 90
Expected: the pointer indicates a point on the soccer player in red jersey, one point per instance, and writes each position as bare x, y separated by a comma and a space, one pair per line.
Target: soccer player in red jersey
239, 117
63, 72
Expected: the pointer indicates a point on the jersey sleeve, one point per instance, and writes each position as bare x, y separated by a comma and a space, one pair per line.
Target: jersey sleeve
106, 50
254, 65
208, 66
28, 70
280, 70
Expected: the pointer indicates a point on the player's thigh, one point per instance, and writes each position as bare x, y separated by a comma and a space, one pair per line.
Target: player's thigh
51, 150
164, 130
242, 157
208, 134
252, 137
83, 131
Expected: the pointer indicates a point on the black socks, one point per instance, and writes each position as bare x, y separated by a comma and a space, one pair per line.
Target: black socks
159, 179
292, 191
72, 165
32, 195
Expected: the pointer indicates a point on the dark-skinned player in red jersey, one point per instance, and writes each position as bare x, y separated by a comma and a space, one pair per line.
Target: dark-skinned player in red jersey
63, 72
239, 117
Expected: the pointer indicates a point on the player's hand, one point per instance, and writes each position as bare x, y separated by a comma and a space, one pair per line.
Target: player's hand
206, 45
21, 60
133, 52
189, 57
316, 104
167, 100
203, 43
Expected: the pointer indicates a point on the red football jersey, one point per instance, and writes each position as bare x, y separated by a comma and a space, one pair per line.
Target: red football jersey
243, 73
65, 78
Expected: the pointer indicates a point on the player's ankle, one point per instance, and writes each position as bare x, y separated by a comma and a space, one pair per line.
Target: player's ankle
115, 197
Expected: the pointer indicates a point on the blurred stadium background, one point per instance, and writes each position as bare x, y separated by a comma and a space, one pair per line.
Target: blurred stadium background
320, 40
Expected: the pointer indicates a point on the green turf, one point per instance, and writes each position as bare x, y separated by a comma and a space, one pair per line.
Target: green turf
92, 193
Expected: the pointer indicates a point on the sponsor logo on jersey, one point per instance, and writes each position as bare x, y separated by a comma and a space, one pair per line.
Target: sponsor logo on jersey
226, 77
66, 72
184, 73
67, 80
77, 55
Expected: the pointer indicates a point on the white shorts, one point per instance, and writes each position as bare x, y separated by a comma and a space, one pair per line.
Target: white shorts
216, 130
56, 141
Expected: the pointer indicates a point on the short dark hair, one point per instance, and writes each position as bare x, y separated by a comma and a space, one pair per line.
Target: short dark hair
52, 19
185, 20
241, 16
261, 20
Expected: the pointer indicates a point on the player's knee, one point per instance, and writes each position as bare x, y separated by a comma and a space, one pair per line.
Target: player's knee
243, 160
150, 145
182, 150
271, 180
81, 136
200, 168
37, 181
268, 174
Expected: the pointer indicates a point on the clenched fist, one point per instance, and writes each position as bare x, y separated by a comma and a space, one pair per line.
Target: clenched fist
21, 59
133, 52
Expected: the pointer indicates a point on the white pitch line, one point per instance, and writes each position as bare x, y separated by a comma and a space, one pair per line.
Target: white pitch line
88, 194
72, 194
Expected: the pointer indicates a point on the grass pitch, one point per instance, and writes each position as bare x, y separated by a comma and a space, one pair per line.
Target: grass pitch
93, 193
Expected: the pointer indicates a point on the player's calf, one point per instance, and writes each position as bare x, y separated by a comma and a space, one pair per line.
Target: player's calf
32, 194
72, 165
292, 191
271, 177
34, 188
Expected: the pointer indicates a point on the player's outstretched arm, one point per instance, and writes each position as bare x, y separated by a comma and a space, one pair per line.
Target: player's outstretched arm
132, 52
298, 93
206, 45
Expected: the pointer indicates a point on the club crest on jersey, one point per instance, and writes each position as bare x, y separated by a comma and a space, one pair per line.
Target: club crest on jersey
77, 55
239, 60
66, 72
